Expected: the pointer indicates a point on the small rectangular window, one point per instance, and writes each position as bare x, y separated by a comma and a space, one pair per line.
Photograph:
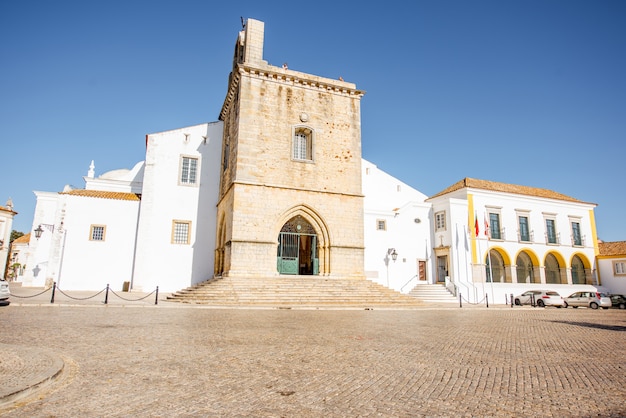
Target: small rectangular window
188, 170
180, 232
551, 231
524, 231
440, 221
97, 233
619, 268
577, 239
381, 225
494, 226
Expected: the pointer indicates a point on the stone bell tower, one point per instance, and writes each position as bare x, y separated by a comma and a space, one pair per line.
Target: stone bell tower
290, 189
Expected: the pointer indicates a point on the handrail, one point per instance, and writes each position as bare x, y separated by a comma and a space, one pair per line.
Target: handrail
402, 287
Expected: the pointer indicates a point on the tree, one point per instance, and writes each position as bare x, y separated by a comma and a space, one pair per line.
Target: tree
15, 235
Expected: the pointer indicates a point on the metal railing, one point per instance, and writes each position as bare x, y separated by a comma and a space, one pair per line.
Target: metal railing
409, 281
54, 289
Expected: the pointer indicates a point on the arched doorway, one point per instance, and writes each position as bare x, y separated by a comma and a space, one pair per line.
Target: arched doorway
297, 248
552, 270
578, 271
495, 267
525, 272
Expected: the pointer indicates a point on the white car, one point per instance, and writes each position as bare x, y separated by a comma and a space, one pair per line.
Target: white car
593, 300
4, 292
541, 298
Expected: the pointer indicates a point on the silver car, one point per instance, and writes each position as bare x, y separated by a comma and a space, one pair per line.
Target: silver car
541, 298
4, 293
592, 300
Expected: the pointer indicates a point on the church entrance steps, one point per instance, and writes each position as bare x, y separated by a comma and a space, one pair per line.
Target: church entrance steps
296, 291
432, 293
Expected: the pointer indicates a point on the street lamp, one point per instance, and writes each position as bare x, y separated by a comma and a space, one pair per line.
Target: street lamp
39, 230
392, 252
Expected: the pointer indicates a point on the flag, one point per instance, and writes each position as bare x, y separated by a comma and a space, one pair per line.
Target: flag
486, 227
476, 224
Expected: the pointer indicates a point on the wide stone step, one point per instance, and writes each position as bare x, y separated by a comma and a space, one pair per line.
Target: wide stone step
432, 293
293, 290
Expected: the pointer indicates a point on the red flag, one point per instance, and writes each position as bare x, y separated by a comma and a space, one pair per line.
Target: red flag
486, 227
476, 223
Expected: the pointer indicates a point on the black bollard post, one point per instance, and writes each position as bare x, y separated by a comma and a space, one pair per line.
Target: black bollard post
460, 300
54, 288
106, 295
487, 299
512, 301
156, 298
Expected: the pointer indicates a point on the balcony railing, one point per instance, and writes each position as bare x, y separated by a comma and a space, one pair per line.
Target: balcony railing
578, 241
529, 237
553, 239
498, 234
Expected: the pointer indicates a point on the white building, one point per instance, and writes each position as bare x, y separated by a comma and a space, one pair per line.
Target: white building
521, 236
612, 266
85, 238
397, 231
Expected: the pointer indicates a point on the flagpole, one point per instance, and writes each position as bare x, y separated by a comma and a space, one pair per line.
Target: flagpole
487, 234
490, 268
482, 282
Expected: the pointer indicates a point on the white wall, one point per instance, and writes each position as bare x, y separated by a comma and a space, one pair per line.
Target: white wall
613, 284
158, 261
38, 263
91, 265
407, 229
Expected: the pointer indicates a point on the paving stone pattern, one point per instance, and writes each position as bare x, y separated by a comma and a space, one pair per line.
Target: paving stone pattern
196, 362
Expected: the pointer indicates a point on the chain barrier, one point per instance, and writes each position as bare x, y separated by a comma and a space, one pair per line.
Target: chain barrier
461, 299
31, 296
133, 300
107, 289
71, 297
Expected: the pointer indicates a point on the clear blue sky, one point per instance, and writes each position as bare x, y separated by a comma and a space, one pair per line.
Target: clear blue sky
526, 92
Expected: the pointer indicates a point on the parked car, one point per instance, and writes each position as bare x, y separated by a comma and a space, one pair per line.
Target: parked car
618, 301
592, 300
4, 293
541, 297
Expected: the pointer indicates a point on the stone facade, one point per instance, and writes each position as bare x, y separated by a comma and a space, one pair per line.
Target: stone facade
264, 183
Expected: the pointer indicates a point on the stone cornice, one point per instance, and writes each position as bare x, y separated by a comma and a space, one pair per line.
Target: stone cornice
289, 77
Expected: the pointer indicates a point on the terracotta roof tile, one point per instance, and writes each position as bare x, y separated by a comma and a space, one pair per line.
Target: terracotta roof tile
103, 194
505, 188
613, 248
24, 239
5, 209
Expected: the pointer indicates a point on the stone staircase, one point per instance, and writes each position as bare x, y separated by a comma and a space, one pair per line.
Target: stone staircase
294, 291
432, 293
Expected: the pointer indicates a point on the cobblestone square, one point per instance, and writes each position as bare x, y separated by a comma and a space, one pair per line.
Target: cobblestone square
161, 361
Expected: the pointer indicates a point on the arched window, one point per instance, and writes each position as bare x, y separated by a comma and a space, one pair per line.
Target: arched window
553, 270
525, 273
495, 267
302, 147
578, 271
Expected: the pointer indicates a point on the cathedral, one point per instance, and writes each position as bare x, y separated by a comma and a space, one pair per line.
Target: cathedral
277, 186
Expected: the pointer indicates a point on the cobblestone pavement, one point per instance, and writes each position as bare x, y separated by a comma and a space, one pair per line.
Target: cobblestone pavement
164, 361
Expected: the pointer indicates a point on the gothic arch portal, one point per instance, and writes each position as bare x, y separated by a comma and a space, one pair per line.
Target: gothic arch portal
311, 225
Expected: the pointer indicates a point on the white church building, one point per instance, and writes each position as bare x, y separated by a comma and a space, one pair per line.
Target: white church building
185, 214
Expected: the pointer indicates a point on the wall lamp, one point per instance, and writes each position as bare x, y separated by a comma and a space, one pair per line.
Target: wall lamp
39, 230
392, 252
